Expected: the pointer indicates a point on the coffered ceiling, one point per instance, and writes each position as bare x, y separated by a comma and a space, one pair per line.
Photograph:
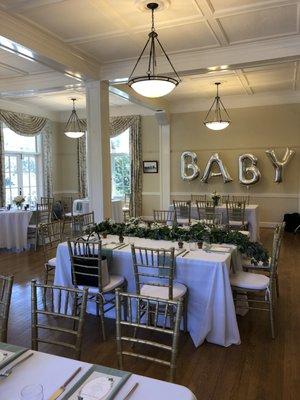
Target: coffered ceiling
197, 34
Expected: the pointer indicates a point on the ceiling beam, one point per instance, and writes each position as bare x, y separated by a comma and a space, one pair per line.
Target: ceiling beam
265, 51
47, 49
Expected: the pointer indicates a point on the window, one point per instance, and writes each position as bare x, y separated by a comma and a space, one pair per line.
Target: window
120, 165
21, 166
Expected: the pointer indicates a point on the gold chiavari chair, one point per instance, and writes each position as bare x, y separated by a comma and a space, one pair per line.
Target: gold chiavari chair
6, 284
267, 269
260, 289
81, 222
164, 216
198, 197
57, 316
154, 275
151, 315
89, 269
241, 199
182, 210
235, 215
47, 201
51, 235
210, 219
42, 215
205, 206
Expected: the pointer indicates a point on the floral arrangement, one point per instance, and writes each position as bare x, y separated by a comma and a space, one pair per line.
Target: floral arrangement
215, 198
19, 200
197, 232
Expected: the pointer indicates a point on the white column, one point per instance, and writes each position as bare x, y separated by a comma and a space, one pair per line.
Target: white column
164, 165
98, 149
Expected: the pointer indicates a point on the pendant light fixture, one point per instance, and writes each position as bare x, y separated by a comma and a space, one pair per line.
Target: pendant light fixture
74, 128
214, 119
151, 84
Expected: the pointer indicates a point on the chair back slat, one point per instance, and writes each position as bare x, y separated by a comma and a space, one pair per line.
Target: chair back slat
87, 263
154, 267
6, 284
241, 199
51, 235
152, 315
164, 216
198, 197
57, 316
81, 222
182, 209
235, 211
205, 206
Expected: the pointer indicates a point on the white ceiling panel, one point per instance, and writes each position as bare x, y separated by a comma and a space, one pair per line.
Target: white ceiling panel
219, 5
270, 75
178, 11
261, 24
72, 18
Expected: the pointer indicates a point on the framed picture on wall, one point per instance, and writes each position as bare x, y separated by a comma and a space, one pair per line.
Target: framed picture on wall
150, 167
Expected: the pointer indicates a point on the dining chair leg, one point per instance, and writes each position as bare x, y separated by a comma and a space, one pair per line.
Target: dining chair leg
185, 313
277, 286
101, 316
271, 308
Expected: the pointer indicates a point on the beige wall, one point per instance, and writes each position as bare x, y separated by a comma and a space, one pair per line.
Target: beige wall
253, 130
64, 162
151, 183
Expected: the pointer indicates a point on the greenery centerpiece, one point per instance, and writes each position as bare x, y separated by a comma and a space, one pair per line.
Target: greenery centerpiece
197, 232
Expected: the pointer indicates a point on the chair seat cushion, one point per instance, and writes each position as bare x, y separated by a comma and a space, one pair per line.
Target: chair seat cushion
161, 292
114, 282
248, 280
235, 223
246, 233
52, 262
31, 227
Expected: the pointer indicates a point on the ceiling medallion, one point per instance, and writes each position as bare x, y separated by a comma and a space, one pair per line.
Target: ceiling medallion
151, 84
214, 119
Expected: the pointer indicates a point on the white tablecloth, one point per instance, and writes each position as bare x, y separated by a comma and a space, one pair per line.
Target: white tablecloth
13, 229
211, 311
52, 371
251, 215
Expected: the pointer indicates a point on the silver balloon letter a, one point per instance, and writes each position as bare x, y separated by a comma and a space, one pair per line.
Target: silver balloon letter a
248, 175
215, 159
278, 165
185, 165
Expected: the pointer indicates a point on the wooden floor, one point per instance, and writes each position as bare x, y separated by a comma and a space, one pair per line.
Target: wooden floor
260, 368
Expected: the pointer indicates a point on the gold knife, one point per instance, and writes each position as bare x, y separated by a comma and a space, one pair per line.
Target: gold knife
61, 389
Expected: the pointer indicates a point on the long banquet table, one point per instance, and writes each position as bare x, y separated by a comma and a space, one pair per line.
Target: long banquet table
13, 229
251, 216
211, 311
52, 371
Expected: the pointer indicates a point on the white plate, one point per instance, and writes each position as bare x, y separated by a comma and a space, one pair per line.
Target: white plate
96, 389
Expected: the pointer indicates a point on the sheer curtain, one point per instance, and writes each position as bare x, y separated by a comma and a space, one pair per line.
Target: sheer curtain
29, 125
2, 186
116, 127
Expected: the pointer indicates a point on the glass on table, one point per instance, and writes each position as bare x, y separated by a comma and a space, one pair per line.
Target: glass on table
32, 392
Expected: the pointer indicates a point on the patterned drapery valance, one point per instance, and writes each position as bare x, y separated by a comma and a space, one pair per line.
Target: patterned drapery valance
118, 125
23, 124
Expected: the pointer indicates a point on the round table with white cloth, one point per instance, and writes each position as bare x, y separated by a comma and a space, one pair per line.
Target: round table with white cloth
13, 229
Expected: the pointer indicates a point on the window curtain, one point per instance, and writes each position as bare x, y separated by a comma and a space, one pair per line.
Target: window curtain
2, 175
116, 127
29, 125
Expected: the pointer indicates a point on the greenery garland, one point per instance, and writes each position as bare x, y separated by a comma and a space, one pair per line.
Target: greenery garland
197, 232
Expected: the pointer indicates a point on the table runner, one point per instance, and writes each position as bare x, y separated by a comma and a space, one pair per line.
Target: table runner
15, 350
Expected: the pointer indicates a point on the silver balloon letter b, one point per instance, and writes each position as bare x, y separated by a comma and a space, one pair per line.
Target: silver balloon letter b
189, 166
248, 175
278, 165
215, 159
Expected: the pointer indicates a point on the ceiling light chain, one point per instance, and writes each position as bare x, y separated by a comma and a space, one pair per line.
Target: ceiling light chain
153, 85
